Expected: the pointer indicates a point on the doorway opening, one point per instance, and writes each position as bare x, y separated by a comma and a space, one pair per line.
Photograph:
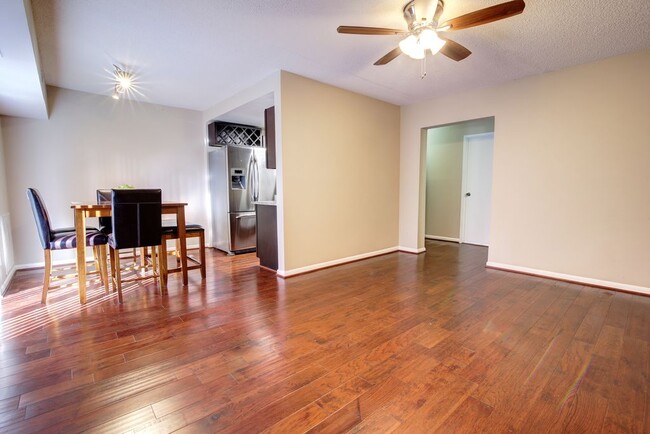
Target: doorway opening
459, 181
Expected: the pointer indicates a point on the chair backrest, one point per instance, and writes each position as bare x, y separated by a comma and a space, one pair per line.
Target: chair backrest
41, 216
104, 196
136, 218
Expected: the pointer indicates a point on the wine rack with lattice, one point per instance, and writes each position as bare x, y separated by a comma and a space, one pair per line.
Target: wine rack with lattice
235, 134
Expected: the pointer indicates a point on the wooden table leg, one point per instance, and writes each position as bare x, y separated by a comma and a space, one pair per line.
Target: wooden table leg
80, 229
180, 221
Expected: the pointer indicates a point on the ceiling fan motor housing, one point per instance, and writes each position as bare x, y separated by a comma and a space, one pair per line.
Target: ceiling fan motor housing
417, 14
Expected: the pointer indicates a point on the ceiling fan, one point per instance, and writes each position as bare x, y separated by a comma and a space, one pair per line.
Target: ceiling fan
423, 27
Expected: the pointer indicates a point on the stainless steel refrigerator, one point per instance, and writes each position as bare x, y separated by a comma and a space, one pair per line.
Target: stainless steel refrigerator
238, 179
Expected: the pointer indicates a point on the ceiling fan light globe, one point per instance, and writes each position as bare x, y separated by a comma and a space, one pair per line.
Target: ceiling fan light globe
437, 46
408, 44
428, 38
411, 47
418, 54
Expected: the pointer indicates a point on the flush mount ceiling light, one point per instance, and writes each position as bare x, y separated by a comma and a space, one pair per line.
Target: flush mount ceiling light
124, 81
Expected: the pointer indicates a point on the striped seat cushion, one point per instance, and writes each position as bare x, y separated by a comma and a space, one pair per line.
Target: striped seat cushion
70, 229
68, 240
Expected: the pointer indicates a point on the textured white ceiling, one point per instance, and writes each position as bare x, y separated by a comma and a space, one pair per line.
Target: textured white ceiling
195, 53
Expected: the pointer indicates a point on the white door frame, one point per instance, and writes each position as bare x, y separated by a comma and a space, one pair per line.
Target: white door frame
464, 180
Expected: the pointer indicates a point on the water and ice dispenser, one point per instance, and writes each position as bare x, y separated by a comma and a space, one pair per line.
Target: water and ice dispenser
237, 179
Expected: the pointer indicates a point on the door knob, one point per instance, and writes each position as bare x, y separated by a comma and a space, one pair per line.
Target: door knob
468, 194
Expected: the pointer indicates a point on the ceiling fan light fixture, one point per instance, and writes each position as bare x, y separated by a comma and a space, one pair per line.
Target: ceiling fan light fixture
423, 27
429, 40
412, 47
427, 37
437, 46
416, 45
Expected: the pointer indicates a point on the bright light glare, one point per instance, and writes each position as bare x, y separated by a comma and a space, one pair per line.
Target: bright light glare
416, 46
411, 47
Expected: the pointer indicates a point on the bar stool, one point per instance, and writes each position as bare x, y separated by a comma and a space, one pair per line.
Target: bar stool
171, 233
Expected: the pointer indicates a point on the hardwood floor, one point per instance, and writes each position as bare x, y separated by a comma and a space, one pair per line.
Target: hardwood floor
404, 343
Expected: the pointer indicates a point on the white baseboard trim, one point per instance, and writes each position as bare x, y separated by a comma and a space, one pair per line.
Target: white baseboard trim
571, 278
7, 281
54, 263
436, 237
411, 250
308, 268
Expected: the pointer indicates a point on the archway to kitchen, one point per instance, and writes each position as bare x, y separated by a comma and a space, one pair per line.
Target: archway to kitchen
451, 161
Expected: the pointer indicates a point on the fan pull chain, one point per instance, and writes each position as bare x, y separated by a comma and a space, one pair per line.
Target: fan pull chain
423, 68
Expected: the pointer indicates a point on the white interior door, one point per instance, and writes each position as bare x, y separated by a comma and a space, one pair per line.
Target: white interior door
476, 189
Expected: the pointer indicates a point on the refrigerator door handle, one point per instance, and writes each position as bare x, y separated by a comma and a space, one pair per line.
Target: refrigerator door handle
256, 191
239, 217
249, 186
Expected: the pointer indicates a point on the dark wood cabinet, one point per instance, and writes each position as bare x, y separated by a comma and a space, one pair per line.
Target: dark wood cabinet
267, 235
269, 132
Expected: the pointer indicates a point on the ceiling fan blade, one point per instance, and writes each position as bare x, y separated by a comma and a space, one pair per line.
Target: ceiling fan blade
390, 56
454, 50
357, 30
484, 16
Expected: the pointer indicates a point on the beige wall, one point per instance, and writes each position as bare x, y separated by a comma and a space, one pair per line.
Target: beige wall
445, 175
570, 169
6, 243
339, 170
91, 142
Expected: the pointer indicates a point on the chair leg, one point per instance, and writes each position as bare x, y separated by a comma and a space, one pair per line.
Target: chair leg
154, 268
143, 257
46, 277
96, 257
118, 282
202, 253
115, 263
102, 268
162, 264
112, 255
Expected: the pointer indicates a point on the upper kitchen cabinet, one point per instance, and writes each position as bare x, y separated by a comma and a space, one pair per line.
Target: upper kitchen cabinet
269, 131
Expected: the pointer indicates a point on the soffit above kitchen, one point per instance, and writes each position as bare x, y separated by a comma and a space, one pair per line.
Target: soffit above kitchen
22, 92
193, 54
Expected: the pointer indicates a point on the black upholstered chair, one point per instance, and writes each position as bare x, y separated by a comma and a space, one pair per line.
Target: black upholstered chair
63, 238
171, 233
105, 225
136, 222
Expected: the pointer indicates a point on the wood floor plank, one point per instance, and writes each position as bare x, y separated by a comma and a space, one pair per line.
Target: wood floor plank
469, 417
628, 411
55, 390
313, 414
448, 393
409, 343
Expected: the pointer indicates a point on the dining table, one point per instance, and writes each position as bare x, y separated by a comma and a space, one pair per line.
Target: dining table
83, 211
